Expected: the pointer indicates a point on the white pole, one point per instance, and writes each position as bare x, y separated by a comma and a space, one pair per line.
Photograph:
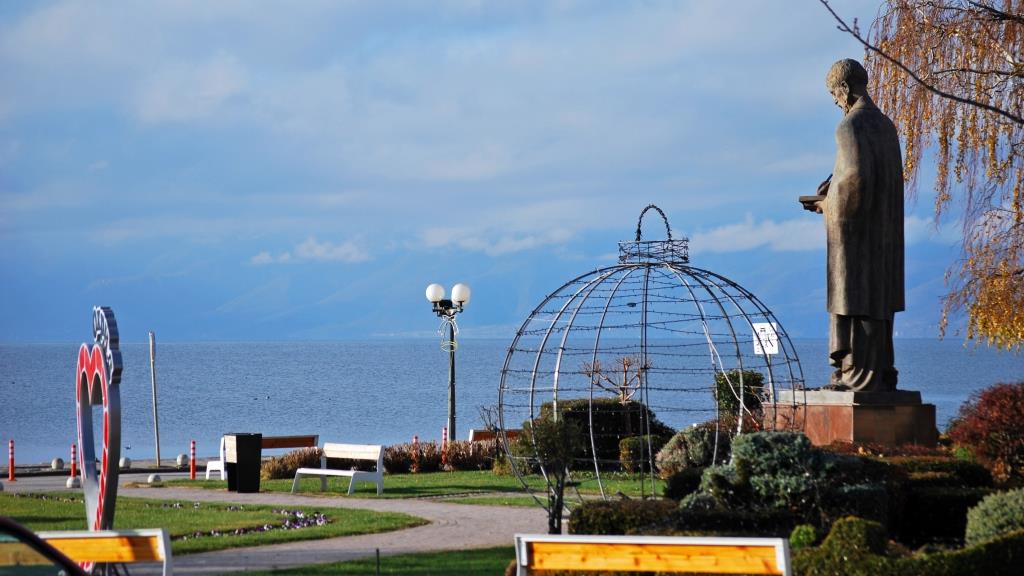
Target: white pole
152, 372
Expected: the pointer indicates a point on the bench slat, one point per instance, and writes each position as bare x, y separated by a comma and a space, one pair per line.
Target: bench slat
110, 549
299, 441
654, 558
352, 451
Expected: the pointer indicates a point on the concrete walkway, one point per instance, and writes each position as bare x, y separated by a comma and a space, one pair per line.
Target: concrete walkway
452, 527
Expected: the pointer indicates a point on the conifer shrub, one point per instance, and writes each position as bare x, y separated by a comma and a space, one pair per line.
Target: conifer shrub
727, 386
991, 425
803, 536
636, 452
697, 446
997, 515
612, 421
285, 466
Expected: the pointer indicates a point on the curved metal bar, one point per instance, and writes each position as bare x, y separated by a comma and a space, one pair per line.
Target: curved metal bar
597, 344
640, 222
645, 398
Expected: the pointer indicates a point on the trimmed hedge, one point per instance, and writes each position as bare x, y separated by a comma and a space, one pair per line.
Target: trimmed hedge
618, 516
942, 471
683, 483
694, 447
938, 514
855, 547
612, 422
996, 515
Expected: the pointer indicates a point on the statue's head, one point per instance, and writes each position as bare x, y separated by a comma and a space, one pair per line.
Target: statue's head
847, 80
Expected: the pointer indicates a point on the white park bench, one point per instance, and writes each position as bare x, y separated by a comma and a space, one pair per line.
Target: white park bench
369, 453
704, 555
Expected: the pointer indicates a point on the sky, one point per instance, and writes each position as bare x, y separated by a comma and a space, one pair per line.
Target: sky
303, 170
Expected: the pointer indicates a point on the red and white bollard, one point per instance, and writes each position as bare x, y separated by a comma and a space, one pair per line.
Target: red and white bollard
444, 447
415, 466
72, 481
192, 462
10, 462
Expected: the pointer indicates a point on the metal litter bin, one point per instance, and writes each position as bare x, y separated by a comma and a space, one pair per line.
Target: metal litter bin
242, 461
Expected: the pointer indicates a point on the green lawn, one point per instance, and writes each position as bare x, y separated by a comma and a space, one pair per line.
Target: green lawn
453, 563
457, 485
183, 519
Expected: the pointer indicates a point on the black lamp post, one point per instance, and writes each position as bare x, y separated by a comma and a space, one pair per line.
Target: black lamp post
446, 309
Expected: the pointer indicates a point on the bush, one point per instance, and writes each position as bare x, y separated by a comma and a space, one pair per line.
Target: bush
697, 521
782, 469
726, 391
683, 483
803, 536
693, 447
465, 455
868, 501
285, 466
409, 457
618, 516
636, 452
938, 514
612, 422
991, 424
942, 471
998, 514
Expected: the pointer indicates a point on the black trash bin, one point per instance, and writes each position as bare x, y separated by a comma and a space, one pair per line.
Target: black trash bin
242, 462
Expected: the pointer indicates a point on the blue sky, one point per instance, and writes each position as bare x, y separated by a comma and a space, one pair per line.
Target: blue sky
302, 170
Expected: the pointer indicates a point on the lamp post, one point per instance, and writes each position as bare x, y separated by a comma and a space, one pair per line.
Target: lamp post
446, 309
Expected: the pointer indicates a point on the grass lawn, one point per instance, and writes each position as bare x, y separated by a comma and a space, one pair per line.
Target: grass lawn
183, 519
453, 563
458, 485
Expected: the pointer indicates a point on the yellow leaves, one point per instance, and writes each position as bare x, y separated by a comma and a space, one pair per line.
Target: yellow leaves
961, 50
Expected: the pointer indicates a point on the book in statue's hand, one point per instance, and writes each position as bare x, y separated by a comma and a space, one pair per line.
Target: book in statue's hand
810, 201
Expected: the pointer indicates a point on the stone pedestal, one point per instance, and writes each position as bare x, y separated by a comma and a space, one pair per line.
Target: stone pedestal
828, 416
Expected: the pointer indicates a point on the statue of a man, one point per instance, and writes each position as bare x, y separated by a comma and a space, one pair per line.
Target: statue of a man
863, 209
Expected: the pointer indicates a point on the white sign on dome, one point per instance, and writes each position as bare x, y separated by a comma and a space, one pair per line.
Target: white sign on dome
766, 339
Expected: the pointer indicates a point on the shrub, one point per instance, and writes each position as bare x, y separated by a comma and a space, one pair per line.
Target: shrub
693, 447
285, 466
782, 469
998, 514
409, 457
882, 450
612, 421
727, 395
618, 516
868, 501
635, 452
942, 471
683, 483
465, 455
803, 536
938, 514
696, 521
991, 424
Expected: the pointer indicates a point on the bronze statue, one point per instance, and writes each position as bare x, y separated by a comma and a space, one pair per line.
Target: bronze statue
862, 202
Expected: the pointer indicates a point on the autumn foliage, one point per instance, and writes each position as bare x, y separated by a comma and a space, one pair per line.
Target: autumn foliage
991, 424
966, 105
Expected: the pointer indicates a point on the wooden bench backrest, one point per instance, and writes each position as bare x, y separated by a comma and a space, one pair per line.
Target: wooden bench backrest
113, 546
355, 452
652, 554
300, 441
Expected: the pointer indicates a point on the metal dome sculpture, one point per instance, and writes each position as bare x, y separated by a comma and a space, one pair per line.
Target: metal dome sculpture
665, 344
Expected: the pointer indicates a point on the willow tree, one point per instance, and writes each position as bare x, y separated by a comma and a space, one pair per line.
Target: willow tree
950, 73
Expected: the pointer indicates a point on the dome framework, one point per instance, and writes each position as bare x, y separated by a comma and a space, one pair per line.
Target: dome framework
651, 331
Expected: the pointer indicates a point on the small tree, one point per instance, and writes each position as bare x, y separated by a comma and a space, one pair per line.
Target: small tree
556, 442
623, 379
727, 392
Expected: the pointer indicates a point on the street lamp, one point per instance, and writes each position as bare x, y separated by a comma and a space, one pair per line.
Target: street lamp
446, 310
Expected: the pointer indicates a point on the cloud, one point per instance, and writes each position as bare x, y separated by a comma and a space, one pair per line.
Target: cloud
183, 92
788, 235
311, 250
491, 241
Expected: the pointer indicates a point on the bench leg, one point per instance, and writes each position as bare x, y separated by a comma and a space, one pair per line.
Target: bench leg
295, 483
380, 487
323, 483
351, 484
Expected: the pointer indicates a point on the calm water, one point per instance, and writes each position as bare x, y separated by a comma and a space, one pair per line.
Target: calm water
362, 392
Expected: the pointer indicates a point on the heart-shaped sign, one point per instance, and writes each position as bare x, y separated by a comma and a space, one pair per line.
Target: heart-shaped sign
96, 382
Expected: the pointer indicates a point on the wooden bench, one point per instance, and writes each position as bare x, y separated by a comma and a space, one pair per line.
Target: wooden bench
113, 546
300, 441
369, 453
710, 555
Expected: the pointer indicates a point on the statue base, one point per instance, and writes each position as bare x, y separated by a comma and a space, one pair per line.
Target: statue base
827, 416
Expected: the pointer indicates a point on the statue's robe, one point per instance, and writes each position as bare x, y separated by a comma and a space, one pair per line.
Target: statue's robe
863, 211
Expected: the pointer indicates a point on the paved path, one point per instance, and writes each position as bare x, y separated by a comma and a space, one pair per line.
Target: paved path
452, 526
